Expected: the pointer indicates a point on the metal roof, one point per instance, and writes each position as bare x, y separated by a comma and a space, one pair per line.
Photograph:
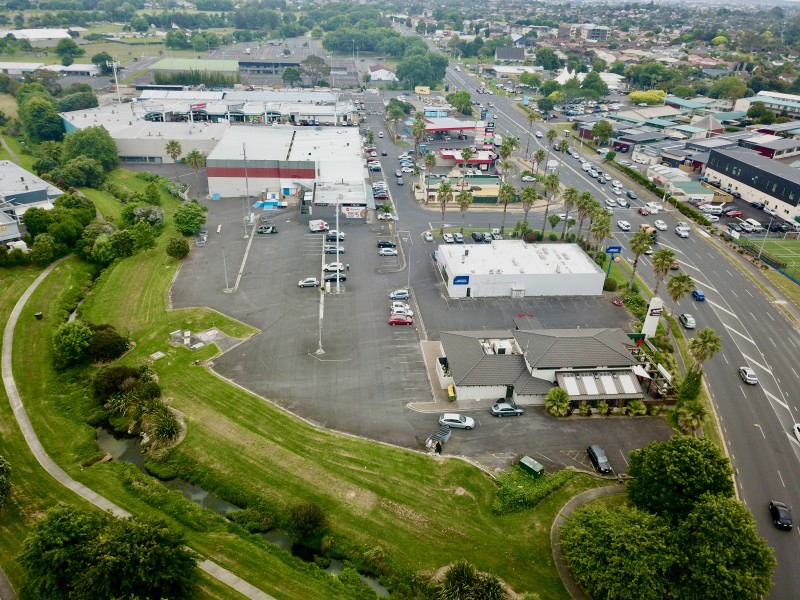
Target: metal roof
574, 348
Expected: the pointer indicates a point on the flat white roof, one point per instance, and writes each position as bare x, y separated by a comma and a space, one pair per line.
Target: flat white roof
36, 34
20, 66
14, 179
515, 256
263, 143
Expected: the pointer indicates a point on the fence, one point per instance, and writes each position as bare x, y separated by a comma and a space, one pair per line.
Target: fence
790, 271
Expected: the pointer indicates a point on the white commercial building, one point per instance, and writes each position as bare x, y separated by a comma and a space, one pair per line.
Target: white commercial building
510, 268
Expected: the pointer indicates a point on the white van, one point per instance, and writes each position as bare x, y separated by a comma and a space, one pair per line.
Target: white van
754, 224
712, 209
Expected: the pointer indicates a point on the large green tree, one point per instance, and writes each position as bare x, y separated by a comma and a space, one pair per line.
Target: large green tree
602, 131
668, 478
189, 217
70, 343
71, 553
94, 142
40, 119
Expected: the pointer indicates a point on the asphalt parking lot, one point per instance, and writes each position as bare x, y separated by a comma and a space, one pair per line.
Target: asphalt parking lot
370, 372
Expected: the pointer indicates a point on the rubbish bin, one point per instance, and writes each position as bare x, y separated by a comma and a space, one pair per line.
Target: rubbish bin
38, 316
530, 466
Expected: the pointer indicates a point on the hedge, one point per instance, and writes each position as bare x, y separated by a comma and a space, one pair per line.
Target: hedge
519, 491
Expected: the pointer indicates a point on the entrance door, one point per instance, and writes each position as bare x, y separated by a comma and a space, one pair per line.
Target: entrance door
469, 292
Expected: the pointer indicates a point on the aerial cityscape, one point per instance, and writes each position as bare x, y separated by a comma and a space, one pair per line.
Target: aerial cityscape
274, 276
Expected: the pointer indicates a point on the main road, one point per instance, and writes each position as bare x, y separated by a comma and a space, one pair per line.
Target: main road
756, 420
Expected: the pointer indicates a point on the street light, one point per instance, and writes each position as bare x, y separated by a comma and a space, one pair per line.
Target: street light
410, 241
114, 65
764, 240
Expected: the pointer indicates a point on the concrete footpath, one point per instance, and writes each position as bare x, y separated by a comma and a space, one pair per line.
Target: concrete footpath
61, 476
575, 591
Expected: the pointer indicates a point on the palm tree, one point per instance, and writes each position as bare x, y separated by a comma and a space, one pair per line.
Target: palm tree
505, 195
505, 151
571, 196
704, 346
662, 262
556, 402
532, 116
691, 415
430, 162
370, 137
600, 230
196, 161
551, 136
677, 287
395, 113
585, 202
466, 154
539, 155
639, 244
464, 200
418, 131
174, 150
554, 220
563, 146
552, 185
444, 195
528, 196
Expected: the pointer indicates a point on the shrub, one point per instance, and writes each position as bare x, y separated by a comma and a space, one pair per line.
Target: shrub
110, 380
177, 248
610, 285
307, 520
5, 481
149, 390
690, 387
519, 491
70, 344
255, 519
602, 408
164, 427
552, 237
636, 407
106, 344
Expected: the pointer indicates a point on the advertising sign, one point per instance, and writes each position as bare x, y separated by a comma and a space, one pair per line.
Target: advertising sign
461, 280
354, 212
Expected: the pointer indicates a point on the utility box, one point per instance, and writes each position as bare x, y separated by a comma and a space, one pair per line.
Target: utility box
531, 467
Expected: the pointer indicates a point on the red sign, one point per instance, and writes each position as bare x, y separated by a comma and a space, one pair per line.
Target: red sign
198, 106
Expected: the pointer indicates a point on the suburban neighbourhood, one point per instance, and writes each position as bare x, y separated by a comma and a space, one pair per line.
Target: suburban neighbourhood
275, 276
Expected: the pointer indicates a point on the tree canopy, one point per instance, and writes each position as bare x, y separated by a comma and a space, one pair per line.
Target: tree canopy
93, 142
189, 217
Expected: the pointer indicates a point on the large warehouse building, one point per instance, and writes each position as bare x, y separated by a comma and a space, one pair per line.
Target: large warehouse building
515, 269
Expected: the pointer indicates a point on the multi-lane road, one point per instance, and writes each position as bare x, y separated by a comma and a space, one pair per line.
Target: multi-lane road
756, 420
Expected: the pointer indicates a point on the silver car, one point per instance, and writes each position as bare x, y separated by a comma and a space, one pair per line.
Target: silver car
456, 421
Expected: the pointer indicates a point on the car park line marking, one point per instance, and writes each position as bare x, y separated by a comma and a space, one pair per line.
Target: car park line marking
791, 342
722, 308
752, 315
741, 389
777, 400
760, 429
781, 476
749, 292
740, 334
725, 358
770, 316
758, 364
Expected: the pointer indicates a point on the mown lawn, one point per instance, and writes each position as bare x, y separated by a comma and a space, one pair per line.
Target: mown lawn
8, 105
424, 513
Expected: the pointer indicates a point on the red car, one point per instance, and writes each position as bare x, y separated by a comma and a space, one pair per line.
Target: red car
733, 213
616, 301
401, 320
643, 211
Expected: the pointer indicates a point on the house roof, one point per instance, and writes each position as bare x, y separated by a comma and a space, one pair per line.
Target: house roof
470, 365
682, 103
509, 53
754, 159
574, 348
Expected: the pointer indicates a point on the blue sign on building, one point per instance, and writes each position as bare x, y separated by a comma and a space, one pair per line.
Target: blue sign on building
461, 280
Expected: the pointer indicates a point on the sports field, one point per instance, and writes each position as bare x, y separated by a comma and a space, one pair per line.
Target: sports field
786, 250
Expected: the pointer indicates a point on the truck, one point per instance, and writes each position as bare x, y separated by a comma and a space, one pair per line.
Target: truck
498, 140
318, 226
651, 231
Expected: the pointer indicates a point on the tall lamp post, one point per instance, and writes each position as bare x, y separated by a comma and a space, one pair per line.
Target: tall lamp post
246, 199
114, 65
406, 237
764, 239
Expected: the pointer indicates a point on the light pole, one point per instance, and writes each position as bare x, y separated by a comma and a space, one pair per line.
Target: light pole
406, 237
114, 65
246, 199
764, 239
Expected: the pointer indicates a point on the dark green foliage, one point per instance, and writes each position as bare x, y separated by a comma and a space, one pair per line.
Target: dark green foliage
307, 520
463, 582
113, 379
149, 390
93, 142
195, 77
5, 481
45, 165
177, 248
42, 251
36, 221
78, 172
690, 387
517, 490
90, 234
79, 101
106, 344
255, 519
189, 217
670, 477
80, 206
71, 553
610, 285
40, 119
623, 553
123, 242
144, 235
71, 343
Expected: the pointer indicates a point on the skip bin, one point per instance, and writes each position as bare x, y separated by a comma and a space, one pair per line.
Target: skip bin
530, 466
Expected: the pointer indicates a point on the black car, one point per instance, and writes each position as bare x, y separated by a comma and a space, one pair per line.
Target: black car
758, 205
386, 244
631, 194
598, 458
736, 227
781, 515
477, 237
332, 238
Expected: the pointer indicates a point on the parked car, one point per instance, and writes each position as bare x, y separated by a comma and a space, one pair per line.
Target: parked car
698, 295
308, 282
336, 277
427, 236
505, 409
598, 457
387, 252
528, 179
687, 320
398, 305
386, 244
616, 301
266, 228
401, 320
403, 311
477, 237
399, 295
457, 421
334, 266
384, 216
448, 238
781, 515
748, 375
487, 237
459, 239
334, 250
333, 236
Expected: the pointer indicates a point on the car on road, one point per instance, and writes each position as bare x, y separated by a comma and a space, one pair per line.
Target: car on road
336, 277
384, 153
400, 181
386, 244
624, 225
407, 170
448, 238
611, 202
617, 191
266, 228
539, 134
631, 194
399, 295
675, 266
623, 203
427, 236
334, 266
649, 251
682, 232
599, 459
308, 282
401, 320
398, 173
698, 295
459, 239
616, 183
387, 252
796, 430
529, 179
748, 375
660, 225
687, 320
654, 207
506, 409
643, 211
457, 421
781, 515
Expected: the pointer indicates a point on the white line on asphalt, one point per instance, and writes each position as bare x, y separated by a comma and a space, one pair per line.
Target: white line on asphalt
623, 457
770, 316
743, 392
726, 359
734, 293
740, 334
749, 292
729, 272
750, 360
795, 373
761, 430
777, 400
791, 342
781, 476
752, 315
773, 342
722, 308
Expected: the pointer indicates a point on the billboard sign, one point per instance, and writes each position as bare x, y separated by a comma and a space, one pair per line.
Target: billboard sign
461, 280
354, 212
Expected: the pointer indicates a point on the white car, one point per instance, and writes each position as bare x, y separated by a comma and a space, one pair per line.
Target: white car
403, 311
682, 232
712, 218
448, 238
654, 207
624, 225
617, 191
407, 170
456, 421
427, 236
660, 225
529, 179
539, 134
308, 282
334, 266
397, 305
616, 183
611, 202
382, 216
387, 252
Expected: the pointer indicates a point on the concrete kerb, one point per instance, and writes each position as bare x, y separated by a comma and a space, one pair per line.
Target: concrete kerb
575, 590
21, 416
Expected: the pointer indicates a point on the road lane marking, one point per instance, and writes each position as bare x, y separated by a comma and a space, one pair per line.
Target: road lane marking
761, 430
749, 292
758, 364
726, 359
739, 333
722, 308
791, 342
734, 293
781, 476
795, 373
773, 342
770, 316
777, 400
